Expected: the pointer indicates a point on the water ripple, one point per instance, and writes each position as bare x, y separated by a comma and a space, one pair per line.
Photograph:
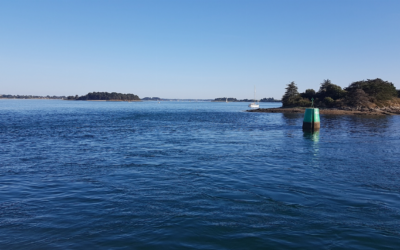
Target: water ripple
194, 175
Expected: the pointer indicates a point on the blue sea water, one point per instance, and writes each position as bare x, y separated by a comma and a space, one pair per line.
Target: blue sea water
194, 175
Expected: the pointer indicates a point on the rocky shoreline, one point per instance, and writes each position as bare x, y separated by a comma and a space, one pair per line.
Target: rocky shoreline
334, 111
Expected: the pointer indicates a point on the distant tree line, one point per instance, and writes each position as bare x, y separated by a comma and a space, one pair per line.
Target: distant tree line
175, 100
271, 99
223, 99
31, 97
230, 99
365, 93
151, 99
105, 96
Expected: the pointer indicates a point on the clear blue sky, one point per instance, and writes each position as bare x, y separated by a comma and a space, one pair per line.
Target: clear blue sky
193, 48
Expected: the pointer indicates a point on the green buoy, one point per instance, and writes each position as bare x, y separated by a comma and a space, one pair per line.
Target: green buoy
311, 119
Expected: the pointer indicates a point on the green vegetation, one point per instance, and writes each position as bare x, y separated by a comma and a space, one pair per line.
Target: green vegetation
223, 99
97, 96
365, 93
292, 97
30, 97
309, 93
151, 99
377, 89
270, 99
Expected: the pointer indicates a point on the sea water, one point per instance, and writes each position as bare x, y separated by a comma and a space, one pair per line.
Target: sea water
203, 175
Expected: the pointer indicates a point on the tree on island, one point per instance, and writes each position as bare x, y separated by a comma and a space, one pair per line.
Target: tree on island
335, 92
224, 99
324, 85
376, 88
328, 89
365, 93
358, 98
309, 93
151, 99
291, 96
106, 97
270, 99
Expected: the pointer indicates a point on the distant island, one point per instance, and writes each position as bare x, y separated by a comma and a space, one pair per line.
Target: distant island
152, 99
30, 97
230, 99
174, 100
371, 96
104, 96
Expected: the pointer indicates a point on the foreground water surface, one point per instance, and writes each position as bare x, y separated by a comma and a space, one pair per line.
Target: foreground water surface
182, 175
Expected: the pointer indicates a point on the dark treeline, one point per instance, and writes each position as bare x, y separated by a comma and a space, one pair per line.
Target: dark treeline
106, 97
31, 97
175, 100
152, 99
271, 99
223, 99
366, 93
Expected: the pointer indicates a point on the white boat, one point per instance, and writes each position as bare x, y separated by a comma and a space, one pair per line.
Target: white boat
254, 105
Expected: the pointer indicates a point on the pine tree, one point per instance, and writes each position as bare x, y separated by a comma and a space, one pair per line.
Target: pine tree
324, 85
291, 95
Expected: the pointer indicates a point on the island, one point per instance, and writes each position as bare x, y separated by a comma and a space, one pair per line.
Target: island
231, 99
365, 97
174, 100
31, 97
104, 96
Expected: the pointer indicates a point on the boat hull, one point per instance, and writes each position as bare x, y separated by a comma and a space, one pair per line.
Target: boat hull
254, 106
